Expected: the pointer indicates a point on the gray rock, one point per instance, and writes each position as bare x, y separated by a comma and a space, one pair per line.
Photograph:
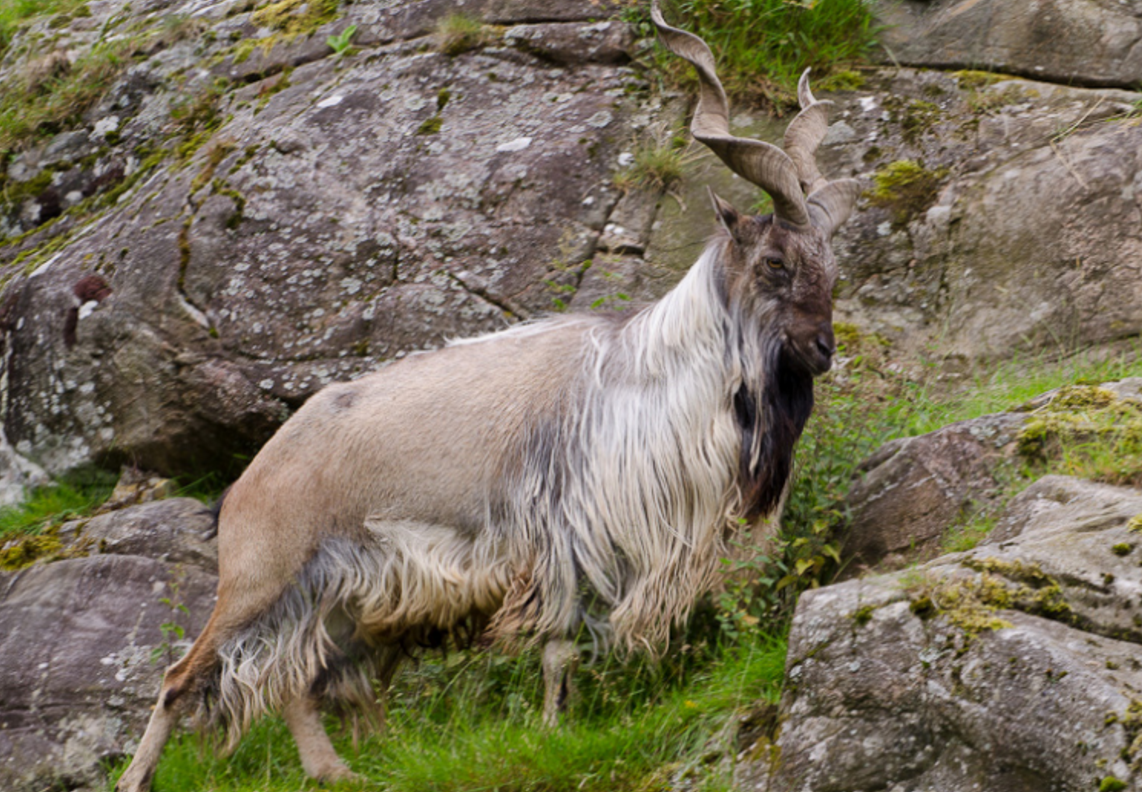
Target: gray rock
1013, 667
1025, 238
907, 494
174, 531
1066, 41
18, 475
595, 42
84, 641
293, 250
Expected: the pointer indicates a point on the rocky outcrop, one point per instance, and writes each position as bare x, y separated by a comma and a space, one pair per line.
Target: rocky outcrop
1001, 216
1010, 667
906, 495
907, 499
84, 639
1103, 41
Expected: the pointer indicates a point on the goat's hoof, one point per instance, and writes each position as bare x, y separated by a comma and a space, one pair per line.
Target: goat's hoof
337, 773
129, 782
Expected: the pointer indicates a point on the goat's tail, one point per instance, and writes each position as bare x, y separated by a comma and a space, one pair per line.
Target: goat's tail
215, 511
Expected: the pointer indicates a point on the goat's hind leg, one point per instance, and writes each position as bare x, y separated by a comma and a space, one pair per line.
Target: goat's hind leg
303, 717
180, 683
318, 759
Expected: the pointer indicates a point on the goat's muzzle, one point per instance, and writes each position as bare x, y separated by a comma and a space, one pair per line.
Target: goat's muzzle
813, 348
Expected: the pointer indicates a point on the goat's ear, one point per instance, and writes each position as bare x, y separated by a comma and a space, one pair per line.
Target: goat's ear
727, 215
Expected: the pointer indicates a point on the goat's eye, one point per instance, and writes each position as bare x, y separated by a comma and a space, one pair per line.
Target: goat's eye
775, 263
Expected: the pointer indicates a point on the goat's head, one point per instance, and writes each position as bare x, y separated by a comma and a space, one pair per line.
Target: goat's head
780, 265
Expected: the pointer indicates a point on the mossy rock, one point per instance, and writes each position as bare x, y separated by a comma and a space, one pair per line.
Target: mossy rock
906, 188
915, 116
45, 546
1090, 431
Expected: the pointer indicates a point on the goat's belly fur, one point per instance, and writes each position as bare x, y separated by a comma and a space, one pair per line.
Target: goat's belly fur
355, 607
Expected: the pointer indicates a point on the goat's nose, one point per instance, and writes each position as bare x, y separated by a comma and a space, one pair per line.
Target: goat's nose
825, 343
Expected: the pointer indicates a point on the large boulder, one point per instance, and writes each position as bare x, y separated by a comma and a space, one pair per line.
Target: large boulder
905, 497
1082, 42
1010, 668
318, 216
84, 638
1002, 216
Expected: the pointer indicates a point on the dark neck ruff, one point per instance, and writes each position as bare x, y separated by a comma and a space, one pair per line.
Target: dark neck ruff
779, 415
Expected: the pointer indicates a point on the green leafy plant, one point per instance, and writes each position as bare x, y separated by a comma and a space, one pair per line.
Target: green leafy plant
342, 42
172, 631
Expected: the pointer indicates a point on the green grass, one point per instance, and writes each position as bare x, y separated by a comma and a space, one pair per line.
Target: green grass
16, 13
53, 103
659, 162
762, 46
70, 497
471, 722
50, 93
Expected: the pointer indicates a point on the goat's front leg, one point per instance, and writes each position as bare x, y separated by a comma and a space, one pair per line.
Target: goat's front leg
560, 659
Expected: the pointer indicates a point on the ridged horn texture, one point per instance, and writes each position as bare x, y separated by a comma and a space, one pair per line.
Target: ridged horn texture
789, 175
761, 163
805, 133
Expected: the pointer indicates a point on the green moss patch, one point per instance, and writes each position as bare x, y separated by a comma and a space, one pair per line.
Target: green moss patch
1131, 721
1086, 431
915, 116
971, 80
430, 126
905, 188
293, 18
30, 549
972, 604
45, 546
981, 102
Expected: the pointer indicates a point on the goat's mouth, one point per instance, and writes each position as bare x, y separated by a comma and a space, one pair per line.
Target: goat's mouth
813, 356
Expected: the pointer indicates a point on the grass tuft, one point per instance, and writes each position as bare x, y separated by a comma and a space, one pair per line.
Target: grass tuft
70, 497
658, 163
458, 33
762, 46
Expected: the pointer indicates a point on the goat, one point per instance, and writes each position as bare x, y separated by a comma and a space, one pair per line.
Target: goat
575, 472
